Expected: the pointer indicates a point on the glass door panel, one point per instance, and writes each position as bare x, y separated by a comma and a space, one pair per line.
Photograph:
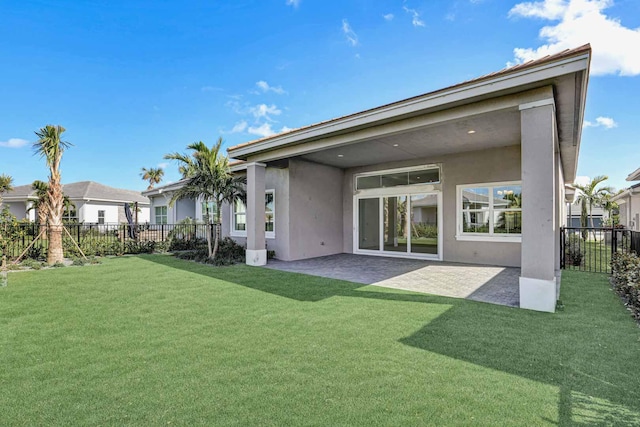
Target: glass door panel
424, 224
394, 218
369, 224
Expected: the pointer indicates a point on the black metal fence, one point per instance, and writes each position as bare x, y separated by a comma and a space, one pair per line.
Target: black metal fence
96, 239
590, 249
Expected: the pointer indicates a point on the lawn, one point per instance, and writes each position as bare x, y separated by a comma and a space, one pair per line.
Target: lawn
154, 340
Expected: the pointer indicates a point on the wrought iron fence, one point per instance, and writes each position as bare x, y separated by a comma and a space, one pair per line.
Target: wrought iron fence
96, 239
590, 248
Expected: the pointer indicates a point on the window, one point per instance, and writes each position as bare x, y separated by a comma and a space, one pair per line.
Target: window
161, 214
69, 214
424, 175
490, 210
208, 211
100, 217
239, 216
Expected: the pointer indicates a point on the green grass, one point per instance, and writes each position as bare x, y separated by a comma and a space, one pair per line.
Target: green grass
154, 340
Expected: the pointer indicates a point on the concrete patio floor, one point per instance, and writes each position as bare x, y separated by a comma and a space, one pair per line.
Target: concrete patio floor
496, 285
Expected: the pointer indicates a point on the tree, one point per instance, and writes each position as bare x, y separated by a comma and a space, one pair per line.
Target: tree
51, 147
6, 185
40, 204
208, 178
153, 175
591, 195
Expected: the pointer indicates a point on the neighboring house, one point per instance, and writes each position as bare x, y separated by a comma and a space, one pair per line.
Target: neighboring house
94, 203
575, 211
472, 173
162, 212
629, 203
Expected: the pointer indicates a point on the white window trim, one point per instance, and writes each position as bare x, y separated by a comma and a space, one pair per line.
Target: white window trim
483, 237
268, 234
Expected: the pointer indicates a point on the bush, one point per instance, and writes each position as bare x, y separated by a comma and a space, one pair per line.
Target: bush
229, 253
422, 229
187, 244
573, 253
32, 263
625, 278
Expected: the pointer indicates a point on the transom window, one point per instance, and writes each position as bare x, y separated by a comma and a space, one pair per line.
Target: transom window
425, 175
490, 209
239, 216
161, 214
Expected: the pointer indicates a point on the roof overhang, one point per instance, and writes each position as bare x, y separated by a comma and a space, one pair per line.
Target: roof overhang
563, 80
634, 176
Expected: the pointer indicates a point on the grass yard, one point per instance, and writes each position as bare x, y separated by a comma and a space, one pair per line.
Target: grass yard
155, 340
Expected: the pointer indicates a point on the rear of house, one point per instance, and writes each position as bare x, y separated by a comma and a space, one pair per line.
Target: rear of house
473, 173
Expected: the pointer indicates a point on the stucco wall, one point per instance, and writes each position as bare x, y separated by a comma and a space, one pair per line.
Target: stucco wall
315, 209
17, 209
496, 165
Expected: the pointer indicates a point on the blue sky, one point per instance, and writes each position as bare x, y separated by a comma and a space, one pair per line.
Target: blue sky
134, 80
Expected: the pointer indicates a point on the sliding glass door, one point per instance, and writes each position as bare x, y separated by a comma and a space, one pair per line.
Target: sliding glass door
399, 224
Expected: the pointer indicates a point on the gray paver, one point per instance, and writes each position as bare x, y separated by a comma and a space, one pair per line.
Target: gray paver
492, 284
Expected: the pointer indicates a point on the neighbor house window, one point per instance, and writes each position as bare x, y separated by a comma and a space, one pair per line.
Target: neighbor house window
239, 215
100, 217
208, 211
490, 210
161, 214
70, 214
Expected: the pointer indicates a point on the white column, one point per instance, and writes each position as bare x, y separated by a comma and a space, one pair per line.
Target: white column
256, 243
538, 288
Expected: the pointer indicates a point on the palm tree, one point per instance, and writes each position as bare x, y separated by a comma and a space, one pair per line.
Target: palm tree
40, 204
153, 175
592, 195
209, 178
6, 185
51, 147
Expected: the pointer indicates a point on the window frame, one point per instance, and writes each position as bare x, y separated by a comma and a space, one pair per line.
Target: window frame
491, 236
166, 215
240, 233
101, 217
406, 170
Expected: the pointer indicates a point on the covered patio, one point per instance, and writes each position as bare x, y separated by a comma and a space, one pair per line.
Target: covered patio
491, 284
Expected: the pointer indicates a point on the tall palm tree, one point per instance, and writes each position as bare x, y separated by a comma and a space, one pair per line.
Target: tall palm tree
591, 194
51, 147
209, 178
153, 175
6, 185
40, 204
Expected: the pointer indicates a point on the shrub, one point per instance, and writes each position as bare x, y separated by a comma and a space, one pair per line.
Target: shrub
32, 263
625, 278
58, 264
573, 252
229, 253
187, 244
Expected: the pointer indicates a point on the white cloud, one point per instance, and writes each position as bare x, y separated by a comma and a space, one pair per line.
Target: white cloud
415, 20
388, 17
163, 165
615, 47
14, 143
265, 130
239, 127
351, 36
264, 111
605, 122
294, 3
582, 180
265, 87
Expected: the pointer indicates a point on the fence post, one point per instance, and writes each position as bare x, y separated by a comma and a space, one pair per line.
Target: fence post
562, 251
614, 241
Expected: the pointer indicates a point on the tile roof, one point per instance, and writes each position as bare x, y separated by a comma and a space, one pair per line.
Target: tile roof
505, 71
85, 190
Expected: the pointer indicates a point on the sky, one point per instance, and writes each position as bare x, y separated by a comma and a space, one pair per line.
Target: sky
134, 80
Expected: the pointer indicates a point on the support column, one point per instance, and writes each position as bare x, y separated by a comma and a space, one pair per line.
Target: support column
539, 198
256, 243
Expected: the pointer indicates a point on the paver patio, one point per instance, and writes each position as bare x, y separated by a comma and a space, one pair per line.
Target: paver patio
492, 284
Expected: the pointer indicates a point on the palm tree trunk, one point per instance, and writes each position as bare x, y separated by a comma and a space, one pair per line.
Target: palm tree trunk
55, 253
217, 238
210, 250
55, 200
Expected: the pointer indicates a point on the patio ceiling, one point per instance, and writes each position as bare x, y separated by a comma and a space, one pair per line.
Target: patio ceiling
490, 130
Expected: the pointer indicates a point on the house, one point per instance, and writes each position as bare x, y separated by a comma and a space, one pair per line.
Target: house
162, 212
574, 213
93, 203
472, 173
629, 203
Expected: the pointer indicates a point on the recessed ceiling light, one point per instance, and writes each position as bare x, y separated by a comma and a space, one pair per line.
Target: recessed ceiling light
340, 155
395, 145
471, 132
